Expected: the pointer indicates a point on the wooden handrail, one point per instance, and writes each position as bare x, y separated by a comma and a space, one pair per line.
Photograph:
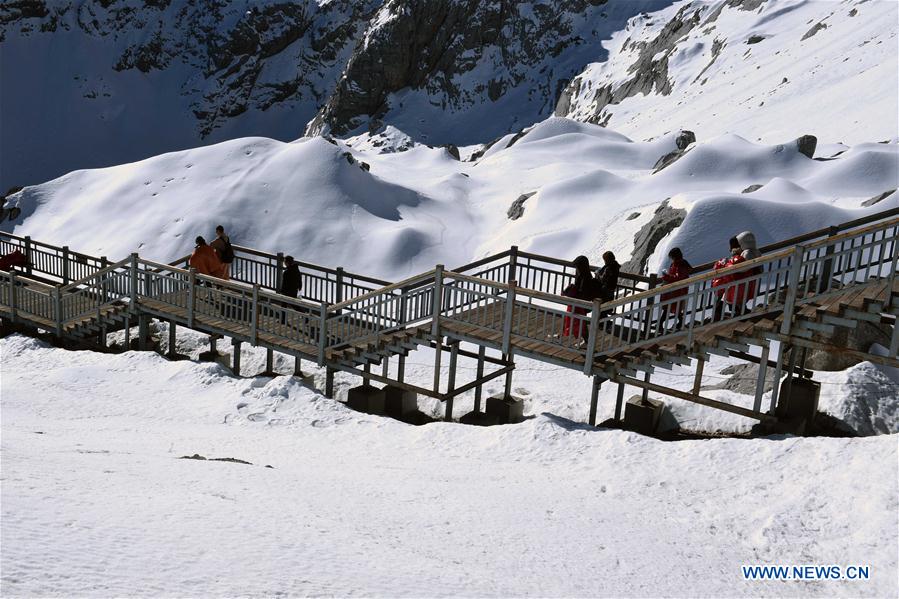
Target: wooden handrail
559, 299
404, 283
814, 235
86, 280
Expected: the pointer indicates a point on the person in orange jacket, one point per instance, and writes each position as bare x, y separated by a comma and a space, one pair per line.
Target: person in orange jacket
205, 260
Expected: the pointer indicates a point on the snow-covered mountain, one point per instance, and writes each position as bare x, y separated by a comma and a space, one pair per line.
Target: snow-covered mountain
96, 83
100, 83
769, 69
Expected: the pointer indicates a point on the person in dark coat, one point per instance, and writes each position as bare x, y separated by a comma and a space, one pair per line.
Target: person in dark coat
607, 277
291, 283
583, 288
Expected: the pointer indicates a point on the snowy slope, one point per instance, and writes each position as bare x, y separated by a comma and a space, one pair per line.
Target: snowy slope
95, 501
421, 207
768, 70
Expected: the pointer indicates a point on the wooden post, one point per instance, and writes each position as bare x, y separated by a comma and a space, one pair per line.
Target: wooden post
297, 366
385, 365
438, 301
338, 291
513, 263
329, 382
279, 271
594, 399
13, 283
254, 317
269, 361
480, 373
401, 368
507, 317
366, 370
65, 265
235, 358
778, 369
57, 302
438, 354
508, 389
192, 296
127, 331
760, 381
645, 398
591, 338
451, 381
133, 302
792, 289
143, 331
172, 338
697, 380
619, 400
322, 332
27, 245
827, 265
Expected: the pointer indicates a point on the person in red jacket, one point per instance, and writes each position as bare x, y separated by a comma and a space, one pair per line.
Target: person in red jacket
679, 270
205, 260
722, 279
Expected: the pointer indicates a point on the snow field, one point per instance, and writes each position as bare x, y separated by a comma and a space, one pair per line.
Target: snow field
361, 505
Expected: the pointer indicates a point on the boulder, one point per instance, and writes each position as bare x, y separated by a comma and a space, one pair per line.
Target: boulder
684, 139
752, 188
807, 145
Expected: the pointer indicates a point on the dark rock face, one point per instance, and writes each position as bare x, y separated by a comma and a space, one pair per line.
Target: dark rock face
752, 188
743, 379
516, 210
807, 145
878, 198
860, 338
649, 72
431, 46
663, 222
754, 39
815, 29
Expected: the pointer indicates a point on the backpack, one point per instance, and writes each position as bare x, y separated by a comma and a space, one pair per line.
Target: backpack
227, 252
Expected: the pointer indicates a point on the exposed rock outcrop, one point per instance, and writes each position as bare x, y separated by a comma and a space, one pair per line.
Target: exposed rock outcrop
516, 210
663, 222
878, 198
807, 144
860, 338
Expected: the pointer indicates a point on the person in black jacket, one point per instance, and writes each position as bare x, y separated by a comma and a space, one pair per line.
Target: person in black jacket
607, 277
291, 283
583, 288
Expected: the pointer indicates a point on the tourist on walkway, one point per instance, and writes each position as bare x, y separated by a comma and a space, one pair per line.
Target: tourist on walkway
291, 283
607, 277
583, 288
205, 260
722, 280
222, 246
679, 270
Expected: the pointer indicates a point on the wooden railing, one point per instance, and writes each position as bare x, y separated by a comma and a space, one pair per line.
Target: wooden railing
485, 297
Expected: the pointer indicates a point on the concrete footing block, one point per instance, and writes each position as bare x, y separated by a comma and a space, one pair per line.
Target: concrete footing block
398, 402
366, 398
642, 417
505, 409
800, 401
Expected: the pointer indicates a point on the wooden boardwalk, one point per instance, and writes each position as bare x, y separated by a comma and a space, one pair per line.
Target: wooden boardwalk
795, 296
